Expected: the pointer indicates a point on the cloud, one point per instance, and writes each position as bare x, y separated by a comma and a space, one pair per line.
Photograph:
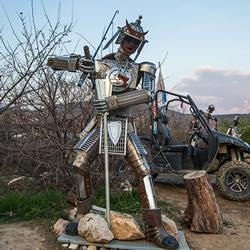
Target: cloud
227, 89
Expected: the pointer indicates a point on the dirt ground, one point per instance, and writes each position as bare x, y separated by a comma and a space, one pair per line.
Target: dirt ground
235, 215
236, 219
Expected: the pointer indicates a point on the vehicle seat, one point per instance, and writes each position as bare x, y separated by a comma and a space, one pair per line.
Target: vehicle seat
164, 133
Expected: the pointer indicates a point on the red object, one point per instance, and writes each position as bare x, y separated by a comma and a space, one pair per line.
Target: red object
124, 78
154, 109
134, 32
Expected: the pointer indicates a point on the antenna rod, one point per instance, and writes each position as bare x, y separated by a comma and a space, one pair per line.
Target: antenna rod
104, 36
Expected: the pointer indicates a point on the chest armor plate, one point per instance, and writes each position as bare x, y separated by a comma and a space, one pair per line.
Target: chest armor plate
122, 77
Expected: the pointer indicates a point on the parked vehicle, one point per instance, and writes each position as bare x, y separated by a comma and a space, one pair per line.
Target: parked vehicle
206, 149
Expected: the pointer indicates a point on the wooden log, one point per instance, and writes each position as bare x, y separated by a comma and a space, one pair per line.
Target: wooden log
202, 213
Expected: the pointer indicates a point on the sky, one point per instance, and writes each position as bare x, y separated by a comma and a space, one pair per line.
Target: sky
204, 46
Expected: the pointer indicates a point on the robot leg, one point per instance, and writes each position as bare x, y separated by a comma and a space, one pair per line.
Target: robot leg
83, 179
154, 230
83, 185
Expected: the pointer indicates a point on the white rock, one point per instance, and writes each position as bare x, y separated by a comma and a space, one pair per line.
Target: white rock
94, 228
60, 225
170, 227
125, 227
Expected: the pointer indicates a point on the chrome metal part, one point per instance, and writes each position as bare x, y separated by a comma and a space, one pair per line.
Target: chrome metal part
87, 129
148, 82
114, 131
86, 65
120, 78
128, 99
120, 147
148, 67
103, 88
105, 116
148, 76
72, 64
150, 193
138, 160
88, 140
137, 143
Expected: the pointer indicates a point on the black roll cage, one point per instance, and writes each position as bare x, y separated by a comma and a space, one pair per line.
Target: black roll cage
187, 100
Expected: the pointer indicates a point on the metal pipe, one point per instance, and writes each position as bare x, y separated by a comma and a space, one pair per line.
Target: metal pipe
106, 169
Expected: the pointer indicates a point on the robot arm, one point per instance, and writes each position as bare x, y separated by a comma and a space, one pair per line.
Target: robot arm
71, 63
123, 100
128, 99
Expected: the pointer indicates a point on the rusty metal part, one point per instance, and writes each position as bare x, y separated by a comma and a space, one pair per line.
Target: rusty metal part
84, 207
86, 52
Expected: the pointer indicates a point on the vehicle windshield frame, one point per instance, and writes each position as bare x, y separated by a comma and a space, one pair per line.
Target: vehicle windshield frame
187, 100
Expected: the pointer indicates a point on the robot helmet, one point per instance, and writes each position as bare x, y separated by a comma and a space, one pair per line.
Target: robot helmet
132, 31
135, 30
211, 108
236, 118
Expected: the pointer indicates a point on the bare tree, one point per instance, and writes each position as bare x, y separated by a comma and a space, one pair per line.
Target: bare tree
41, 111
22, 58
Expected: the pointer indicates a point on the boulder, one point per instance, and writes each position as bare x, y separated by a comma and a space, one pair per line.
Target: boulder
94, 228
170, 227
124, 226
59, 226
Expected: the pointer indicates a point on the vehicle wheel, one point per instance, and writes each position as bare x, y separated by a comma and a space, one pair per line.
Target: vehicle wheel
233, 180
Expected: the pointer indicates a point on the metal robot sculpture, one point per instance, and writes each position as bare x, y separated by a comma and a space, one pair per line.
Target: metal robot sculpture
211, 121
233, 130
124, 74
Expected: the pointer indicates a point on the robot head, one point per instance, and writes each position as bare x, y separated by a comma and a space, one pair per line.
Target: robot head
131, 37
130, 44
211, 108
236, 120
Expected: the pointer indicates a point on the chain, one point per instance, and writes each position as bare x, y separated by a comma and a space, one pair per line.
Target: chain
121, 70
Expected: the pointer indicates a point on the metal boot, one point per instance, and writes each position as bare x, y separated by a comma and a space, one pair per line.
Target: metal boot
154, 230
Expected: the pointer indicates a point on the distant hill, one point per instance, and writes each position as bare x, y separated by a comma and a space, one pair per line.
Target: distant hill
226, 116
231, 116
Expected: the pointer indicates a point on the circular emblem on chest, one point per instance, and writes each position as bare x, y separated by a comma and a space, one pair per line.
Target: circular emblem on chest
120, 78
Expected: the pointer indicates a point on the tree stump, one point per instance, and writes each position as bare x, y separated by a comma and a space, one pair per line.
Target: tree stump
202, 213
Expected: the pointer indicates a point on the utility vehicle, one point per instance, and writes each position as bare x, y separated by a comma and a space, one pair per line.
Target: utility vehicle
206, 149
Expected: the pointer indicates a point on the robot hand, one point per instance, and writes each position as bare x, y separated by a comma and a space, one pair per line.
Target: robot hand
101, 106
86, 65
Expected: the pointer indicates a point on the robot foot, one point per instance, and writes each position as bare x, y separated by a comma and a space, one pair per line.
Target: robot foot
154, 230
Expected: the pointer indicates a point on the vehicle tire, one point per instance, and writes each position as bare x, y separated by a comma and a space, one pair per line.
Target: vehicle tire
233, 180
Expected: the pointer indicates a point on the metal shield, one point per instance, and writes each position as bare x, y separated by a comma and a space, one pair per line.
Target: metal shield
114, 130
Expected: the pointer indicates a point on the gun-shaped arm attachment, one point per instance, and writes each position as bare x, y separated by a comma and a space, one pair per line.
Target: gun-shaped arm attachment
72, 63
